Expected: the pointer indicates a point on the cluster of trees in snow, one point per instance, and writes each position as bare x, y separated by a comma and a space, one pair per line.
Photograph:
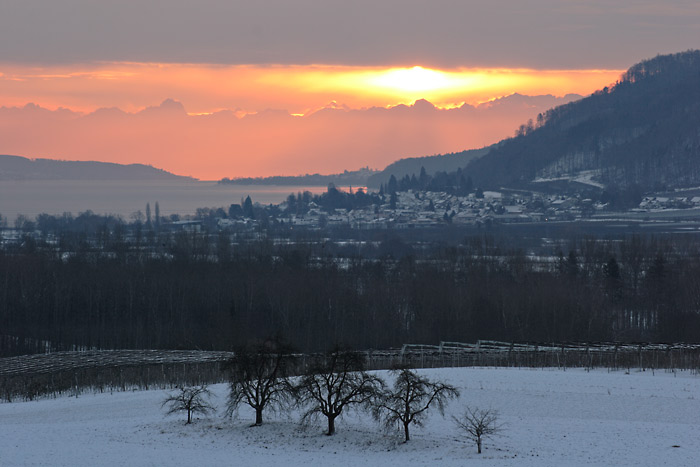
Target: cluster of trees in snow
268, 377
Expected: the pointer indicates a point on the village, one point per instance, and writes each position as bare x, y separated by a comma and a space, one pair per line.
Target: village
414, 209
402, 210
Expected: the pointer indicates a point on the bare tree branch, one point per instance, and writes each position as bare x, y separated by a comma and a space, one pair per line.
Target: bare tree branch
190, 400
478, 424
335, 383
259, 377
410, 400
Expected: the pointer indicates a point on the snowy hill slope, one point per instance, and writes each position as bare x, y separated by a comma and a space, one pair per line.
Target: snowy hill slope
551, 417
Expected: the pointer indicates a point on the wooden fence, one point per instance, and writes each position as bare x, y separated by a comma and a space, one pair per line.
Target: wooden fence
32, 376
608, 355
41, 375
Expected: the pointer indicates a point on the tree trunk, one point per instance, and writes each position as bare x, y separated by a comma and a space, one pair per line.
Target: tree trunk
331, 425
478, 445
405, 430
258, 416
189, 416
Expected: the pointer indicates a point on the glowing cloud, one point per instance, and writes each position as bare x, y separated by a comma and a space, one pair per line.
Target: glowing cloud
196, 138
298, 89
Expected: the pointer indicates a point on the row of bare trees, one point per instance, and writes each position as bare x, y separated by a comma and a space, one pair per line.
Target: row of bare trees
333, 383
269, 378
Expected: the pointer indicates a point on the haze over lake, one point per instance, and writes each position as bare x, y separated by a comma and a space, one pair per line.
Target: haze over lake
125, 197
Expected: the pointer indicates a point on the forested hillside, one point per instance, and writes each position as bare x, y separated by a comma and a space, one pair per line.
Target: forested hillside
430, 164
643, 132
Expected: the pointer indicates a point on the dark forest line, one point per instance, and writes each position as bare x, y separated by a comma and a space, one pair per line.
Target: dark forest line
207, 294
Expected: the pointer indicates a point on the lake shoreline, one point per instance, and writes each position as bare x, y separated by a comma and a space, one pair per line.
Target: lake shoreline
123, 198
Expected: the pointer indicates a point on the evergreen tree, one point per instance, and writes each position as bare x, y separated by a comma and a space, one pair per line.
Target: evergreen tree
393, 185
248, 208
291, 204
157, 215
423, 178
148, 214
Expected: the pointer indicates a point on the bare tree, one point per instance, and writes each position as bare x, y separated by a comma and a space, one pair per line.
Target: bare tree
335, 383
189, 399
410, 399
259, 378
478, 424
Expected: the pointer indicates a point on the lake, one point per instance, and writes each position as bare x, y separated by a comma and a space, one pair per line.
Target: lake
125, 197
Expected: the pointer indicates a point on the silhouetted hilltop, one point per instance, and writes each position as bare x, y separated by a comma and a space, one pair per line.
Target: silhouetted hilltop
643, 134
22, 168
497, 109
432, 164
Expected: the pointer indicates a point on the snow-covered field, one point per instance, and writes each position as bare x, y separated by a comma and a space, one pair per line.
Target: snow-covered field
551, 418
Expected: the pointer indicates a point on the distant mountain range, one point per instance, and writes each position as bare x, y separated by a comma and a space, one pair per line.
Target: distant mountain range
642, 134
233, 144
22, 168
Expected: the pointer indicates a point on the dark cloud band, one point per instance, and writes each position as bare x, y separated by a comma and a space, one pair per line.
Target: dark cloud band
442, 33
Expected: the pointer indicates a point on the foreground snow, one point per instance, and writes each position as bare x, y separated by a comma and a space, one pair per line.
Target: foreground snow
551, 417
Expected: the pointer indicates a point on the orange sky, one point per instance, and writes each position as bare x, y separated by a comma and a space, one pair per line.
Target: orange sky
246, 57
266, 146
298, 89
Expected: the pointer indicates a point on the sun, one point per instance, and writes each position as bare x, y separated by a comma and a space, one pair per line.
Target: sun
416, 79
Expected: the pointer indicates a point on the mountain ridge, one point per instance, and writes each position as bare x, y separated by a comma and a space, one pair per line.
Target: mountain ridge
432, 164
23, 168
641, 134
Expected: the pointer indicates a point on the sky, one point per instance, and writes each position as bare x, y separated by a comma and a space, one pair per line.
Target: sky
302, 56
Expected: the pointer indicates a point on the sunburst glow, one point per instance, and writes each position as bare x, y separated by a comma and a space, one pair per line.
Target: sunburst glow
412, 79
331, 105
298, 89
